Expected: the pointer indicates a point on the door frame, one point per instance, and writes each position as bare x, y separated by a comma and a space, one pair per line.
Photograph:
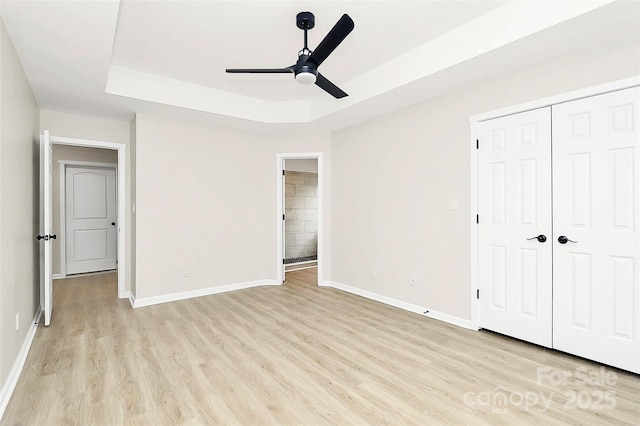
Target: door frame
121, 195
63, 204
474, 120
280, 208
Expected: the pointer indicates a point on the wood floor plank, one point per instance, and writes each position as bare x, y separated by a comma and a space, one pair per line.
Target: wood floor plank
297, 354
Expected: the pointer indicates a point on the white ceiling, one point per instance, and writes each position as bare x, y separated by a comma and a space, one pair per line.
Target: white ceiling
115, 58
196, 41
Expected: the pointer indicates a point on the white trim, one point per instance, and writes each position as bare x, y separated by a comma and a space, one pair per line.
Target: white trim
165, 298
18, 365
600, 89
58, 276
429, 313
132, 299
63, 202
280, 202
88, 164
449, 319
122, 198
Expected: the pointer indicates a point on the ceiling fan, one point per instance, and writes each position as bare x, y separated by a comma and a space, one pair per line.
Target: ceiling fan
305, 69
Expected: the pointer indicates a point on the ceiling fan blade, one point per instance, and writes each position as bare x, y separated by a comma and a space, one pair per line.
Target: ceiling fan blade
329, 87
259, 70
338, 33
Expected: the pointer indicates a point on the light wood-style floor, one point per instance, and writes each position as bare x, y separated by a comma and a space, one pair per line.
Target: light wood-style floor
293, 355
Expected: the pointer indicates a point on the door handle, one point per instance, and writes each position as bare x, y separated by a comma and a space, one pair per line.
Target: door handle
113, 224
564, 240
541, 238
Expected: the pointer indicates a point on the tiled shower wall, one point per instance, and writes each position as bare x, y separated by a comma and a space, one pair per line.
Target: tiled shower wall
301, 214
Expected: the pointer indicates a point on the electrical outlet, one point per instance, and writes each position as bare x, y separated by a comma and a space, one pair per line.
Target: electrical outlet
186, 272
17, 321
414, 280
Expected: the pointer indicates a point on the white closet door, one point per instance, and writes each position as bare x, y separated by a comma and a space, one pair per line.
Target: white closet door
596, 201
515, 276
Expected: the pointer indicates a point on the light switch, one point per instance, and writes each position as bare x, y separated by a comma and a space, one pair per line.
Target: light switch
454, 205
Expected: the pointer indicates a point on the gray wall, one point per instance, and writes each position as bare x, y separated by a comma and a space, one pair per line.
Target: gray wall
19, 182
132, 198
206, 201
309, 165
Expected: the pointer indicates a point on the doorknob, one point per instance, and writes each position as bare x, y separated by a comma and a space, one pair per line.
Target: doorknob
541, 238
564, 240
113, 224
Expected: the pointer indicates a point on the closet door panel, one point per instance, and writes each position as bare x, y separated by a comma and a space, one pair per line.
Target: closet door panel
515, 207
596, 206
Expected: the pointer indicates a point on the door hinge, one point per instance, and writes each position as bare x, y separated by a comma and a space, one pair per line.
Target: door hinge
283, 261
283, 217
283, 172
478, 294
477, 143
477, 218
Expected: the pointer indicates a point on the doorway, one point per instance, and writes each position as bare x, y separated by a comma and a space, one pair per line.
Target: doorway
299, 215
73, 156
47, 232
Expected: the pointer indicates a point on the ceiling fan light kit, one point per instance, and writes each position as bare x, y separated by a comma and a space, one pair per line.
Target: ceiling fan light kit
305, 69
306, 76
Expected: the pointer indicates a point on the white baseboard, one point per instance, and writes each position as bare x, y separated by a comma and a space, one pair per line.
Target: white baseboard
14, 374
58, 276
450, 319
165, 298
132, 298
421, 310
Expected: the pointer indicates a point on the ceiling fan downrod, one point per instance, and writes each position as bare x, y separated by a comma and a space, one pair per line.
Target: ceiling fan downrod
305, 21
305, 73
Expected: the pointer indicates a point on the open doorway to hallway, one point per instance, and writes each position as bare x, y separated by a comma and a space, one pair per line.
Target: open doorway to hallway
300, 194
47, 232
84, 209
301, 214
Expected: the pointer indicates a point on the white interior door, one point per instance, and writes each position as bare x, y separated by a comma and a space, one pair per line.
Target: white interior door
46, 231
91, 211
596, 154
515, 274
